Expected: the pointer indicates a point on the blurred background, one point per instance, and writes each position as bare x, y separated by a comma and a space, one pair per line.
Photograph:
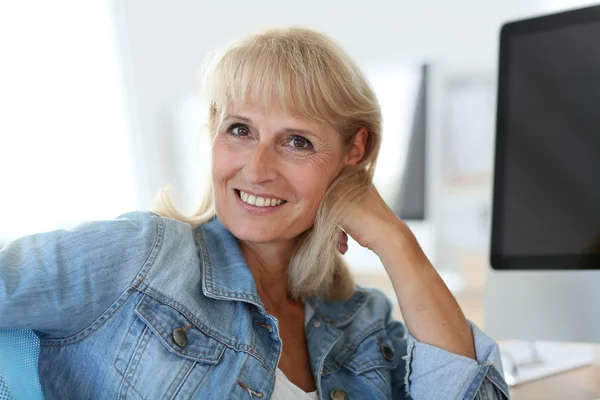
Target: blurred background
99, 109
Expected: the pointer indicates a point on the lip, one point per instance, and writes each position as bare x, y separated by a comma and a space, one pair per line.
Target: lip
255, 210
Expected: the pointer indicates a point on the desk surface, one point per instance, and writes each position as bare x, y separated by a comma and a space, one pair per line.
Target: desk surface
578, 384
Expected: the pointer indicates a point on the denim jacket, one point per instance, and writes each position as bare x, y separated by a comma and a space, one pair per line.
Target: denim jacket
144, 307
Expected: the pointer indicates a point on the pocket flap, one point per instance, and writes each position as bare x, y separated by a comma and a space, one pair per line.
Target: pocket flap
370, 351
164, 320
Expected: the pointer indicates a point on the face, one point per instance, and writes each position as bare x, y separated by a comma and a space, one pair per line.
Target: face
271, 171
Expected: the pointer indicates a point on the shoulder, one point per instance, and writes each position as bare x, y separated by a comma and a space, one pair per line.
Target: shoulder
143, 223
149, 234
366, 306
376, 302
128, 241
93, 237
131, 230
134, 227
376, 316
377, 310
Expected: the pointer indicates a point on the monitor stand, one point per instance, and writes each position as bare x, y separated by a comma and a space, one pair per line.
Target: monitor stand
525, 361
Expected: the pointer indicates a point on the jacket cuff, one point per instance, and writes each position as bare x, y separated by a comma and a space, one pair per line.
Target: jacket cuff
433, 373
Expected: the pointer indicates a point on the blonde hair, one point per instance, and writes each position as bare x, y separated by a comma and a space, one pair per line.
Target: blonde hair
304, 73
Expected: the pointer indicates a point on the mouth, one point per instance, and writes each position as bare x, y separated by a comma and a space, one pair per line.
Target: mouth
259, 201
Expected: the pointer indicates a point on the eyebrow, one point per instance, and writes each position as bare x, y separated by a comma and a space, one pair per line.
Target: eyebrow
234, 116
291, 131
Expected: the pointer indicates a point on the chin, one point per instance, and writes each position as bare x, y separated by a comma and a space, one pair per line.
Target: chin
251, 231
252, 235
267, 232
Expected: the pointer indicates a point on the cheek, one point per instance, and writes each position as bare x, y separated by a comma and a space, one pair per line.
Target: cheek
312, 184
223, 161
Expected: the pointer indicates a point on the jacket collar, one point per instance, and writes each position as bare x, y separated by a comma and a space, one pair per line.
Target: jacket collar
226, 276
225, 273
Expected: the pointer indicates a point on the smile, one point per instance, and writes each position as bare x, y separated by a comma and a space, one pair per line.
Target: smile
258, 201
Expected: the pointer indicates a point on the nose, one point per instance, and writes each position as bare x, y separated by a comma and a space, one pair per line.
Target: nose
261, 165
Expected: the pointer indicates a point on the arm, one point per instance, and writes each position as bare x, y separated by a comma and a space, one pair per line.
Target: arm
447, 357
430, 311
59, 282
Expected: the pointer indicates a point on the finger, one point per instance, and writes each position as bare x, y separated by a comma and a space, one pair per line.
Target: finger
343, 237
343, 248
343, 242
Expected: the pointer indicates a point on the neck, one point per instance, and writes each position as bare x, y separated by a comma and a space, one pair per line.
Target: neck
269, 263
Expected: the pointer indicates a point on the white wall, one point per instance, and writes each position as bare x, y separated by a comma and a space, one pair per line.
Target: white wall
164, 42
64, 148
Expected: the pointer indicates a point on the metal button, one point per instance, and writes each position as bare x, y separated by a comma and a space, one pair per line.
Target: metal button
251, 392
388, 352
316, 324
266, 326
338, 394
180, 337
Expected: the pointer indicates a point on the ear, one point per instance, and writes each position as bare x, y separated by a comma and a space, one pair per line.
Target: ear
356, 150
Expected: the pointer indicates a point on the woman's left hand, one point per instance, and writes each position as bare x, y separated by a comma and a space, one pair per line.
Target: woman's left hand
374, 225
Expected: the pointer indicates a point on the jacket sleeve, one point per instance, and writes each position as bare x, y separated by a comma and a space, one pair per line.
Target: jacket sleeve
59, 282
432, 373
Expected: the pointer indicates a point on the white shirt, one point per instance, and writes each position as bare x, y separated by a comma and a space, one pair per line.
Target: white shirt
284, 389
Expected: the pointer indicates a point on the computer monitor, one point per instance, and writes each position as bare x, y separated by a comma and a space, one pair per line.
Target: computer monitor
544, 280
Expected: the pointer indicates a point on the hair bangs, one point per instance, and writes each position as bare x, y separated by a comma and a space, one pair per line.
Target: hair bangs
280, 76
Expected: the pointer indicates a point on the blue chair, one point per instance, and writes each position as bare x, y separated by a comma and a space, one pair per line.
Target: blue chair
19, 354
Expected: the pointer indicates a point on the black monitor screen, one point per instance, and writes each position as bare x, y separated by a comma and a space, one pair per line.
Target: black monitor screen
547, 181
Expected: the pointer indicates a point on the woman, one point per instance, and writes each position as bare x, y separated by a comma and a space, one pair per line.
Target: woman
250, 298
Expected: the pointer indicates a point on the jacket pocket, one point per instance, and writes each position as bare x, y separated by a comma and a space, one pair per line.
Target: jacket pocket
371, 358
160, 350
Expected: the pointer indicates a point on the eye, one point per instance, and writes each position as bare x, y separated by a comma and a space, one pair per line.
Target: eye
298, 142
239, 130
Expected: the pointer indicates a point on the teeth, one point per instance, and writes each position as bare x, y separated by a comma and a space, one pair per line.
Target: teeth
259, 201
